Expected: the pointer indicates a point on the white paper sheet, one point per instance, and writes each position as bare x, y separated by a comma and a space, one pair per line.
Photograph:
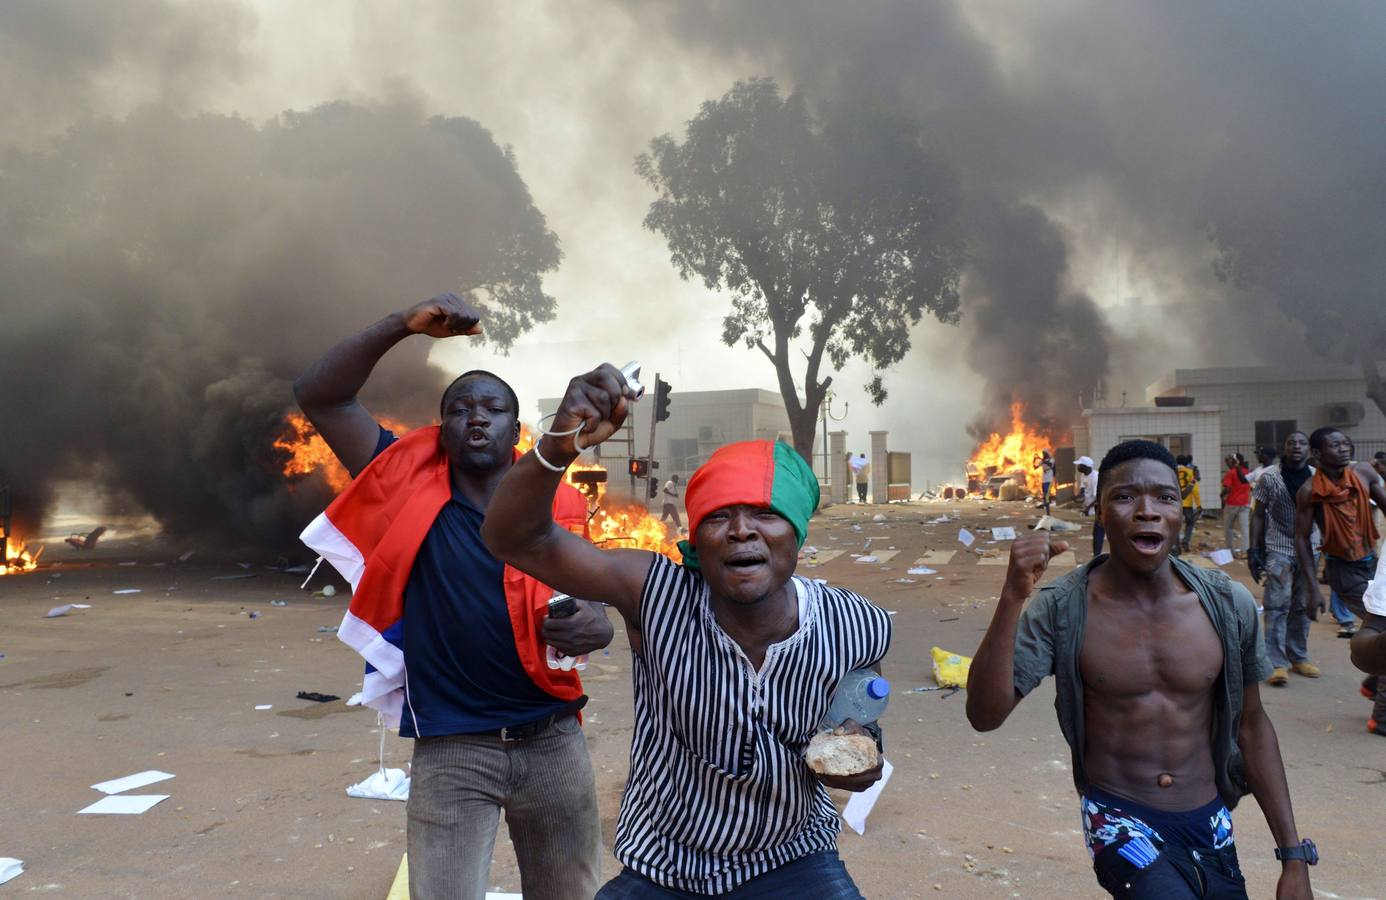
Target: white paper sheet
1004, 533
265, 706
130, 782
860, 806
127, 591
921, 570
1221, 557
59, 611
10, 867
384, 784
966, 537
123, 805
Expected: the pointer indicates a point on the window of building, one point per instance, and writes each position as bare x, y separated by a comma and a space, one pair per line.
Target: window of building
1272, 432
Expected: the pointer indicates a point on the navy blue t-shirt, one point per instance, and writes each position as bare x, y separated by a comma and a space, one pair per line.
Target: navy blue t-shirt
462, 671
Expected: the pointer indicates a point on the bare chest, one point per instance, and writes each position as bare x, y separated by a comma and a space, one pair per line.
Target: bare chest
1128, 650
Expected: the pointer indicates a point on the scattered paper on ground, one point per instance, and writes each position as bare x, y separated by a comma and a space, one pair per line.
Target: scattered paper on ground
127, 591
384, 784
921, 570
1221, 557
10, 867
860, 805
130, 782
1005, 533
123, 805
966, 537
265, 706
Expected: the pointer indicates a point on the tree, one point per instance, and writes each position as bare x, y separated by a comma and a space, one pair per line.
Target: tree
841, 231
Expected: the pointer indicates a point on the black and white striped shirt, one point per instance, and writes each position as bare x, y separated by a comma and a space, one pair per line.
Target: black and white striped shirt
719, 791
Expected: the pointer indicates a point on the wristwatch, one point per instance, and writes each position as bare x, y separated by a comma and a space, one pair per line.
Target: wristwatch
1304, 850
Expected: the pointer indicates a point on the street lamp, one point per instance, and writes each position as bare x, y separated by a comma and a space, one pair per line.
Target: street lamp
827, 414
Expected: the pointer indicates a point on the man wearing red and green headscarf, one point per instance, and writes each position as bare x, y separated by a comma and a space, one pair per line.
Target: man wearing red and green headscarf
736, 661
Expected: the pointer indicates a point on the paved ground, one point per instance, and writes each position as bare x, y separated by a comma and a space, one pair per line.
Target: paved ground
168, 678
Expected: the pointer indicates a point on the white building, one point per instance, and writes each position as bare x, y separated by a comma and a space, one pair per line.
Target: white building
1208, 413
699, 422
1186, 430
1261, 405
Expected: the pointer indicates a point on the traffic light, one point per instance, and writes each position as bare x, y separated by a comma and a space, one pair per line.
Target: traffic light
640, 467
661, 399
654, 488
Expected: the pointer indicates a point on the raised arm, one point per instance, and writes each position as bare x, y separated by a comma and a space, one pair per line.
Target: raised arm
519, 527
327, 391
991, 691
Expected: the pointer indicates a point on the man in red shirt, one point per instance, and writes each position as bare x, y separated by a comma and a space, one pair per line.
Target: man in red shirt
1236, 505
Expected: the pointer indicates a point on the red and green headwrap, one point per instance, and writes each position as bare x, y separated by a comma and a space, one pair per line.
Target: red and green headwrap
770, 474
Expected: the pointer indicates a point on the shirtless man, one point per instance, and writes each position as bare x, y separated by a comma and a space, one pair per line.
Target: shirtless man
1336, 500
1157, 665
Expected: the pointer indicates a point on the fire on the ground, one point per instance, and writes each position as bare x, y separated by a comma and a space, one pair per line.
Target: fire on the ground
613, 522
18, 557
1010, 458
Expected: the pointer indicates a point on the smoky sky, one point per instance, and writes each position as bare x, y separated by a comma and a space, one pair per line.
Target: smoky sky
166, 276
168, 264
1074, 125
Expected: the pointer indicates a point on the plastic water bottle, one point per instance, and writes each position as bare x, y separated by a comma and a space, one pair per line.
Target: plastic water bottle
861, 696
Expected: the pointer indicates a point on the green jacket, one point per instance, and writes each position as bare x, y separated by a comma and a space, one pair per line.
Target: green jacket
1049, 639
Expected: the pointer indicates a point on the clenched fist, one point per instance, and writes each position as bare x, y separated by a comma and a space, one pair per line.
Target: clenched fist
446, 315
1030, 555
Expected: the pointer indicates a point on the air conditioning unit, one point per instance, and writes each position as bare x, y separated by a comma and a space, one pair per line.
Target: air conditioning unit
1343, 415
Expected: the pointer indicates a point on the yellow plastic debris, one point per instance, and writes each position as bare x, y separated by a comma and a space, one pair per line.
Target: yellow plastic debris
950, 669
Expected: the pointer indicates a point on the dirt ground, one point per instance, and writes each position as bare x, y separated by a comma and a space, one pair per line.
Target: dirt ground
168, 678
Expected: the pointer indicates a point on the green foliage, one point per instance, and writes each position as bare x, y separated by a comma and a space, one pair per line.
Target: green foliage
839, 229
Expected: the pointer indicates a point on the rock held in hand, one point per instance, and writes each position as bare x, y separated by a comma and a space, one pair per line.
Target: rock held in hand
841, 754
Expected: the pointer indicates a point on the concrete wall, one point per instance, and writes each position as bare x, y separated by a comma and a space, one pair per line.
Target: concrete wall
841, 472
879, 491
1108, 427
1265, 393
699, 422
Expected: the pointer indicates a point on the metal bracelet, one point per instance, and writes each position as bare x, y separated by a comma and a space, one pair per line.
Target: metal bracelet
545, 463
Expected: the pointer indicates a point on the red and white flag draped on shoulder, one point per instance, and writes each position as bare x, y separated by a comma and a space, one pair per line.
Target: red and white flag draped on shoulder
371, 534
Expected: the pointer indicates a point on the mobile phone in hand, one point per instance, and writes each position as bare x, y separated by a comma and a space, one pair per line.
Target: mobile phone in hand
561, 606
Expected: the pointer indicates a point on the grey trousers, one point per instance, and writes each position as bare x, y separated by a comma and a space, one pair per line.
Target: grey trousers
1235, 521
1287, 616
459, 786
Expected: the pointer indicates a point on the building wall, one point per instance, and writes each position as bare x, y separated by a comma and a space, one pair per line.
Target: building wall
699, 422
1107, 427
1249, 394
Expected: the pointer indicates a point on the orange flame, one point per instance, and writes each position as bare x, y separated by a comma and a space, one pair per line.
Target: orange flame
614, 524
309, 453
1016, 451
18, 557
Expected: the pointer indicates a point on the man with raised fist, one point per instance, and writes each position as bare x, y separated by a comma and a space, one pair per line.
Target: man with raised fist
453, 639
1157, 665
736, 660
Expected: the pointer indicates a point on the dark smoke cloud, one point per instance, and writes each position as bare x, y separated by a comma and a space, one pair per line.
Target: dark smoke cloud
165, 277
64, 60
1041, 344
1150, 126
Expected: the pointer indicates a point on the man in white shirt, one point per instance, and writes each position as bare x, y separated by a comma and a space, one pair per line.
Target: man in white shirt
1087, 497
